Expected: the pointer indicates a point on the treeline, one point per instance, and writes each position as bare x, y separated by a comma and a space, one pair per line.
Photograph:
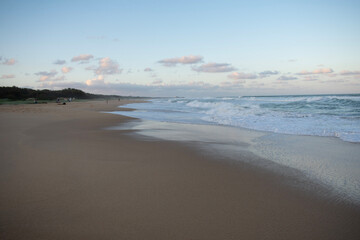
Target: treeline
16, 93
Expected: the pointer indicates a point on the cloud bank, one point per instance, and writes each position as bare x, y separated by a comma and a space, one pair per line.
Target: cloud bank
157, 88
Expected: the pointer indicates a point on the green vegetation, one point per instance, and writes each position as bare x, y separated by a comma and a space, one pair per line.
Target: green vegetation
16, 102
15, 95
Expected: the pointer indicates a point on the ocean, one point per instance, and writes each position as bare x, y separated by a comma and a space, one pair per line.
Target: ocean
317, 136
315, 115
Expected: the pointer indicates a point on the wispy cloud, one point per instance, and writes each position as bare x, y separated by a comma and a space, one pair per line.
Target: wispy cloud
82, 57
287, 78
44, 73
66, 69
59, 62
310, 78
49, 76
51, 79
9, 62
59, 78
241, 75
7, 76
349, 73
316, 71
334, 81
157, 82
268, 73
331, 75
107, 67
214, 68
170, 62
148, 70
236, 82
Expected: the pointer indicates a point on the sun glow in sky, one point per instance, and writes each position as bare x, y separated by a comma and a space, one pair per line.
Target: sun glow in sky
182, 48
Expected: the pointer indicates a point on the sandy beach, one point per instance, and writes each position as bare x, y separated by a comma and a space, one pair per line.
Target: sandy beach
63, 176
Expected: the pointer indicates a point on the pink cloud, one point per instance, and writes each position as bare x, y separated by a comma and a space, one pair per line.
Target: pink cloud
66, 69
107, 66
10, 61
43, 78
49, 76
316, 71
99, 80
51, 79
7, 76
241, 75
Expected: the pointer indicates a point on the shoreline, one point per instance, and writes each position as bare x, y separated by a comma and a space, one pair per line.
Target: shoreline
64, 177
297, 157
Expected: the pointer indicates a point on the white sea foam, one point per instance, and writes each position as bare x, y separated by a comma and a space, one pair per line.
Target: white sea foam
335, 116
331, 116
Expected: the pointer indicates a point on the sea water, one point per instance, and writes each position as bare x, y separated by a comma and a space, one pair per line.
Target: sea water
317, 115
316, 135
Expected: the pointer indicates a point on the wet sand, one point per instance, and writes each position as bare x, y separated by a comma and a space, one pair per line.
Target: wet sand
62, 176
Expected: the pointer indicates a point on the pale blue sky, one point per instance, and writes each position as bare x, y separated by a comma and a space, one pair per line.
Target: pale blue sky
234, 47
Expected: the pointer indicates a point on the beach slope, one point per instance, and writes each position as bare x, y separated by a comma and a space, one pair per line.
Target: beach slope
63, 176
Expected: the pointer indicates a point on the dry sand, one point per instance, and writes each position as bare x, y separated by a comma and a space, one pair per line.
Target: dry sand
62, 176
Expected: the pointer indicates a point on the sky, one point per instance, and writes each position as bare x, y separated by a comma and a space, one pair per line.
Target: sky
182, 48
